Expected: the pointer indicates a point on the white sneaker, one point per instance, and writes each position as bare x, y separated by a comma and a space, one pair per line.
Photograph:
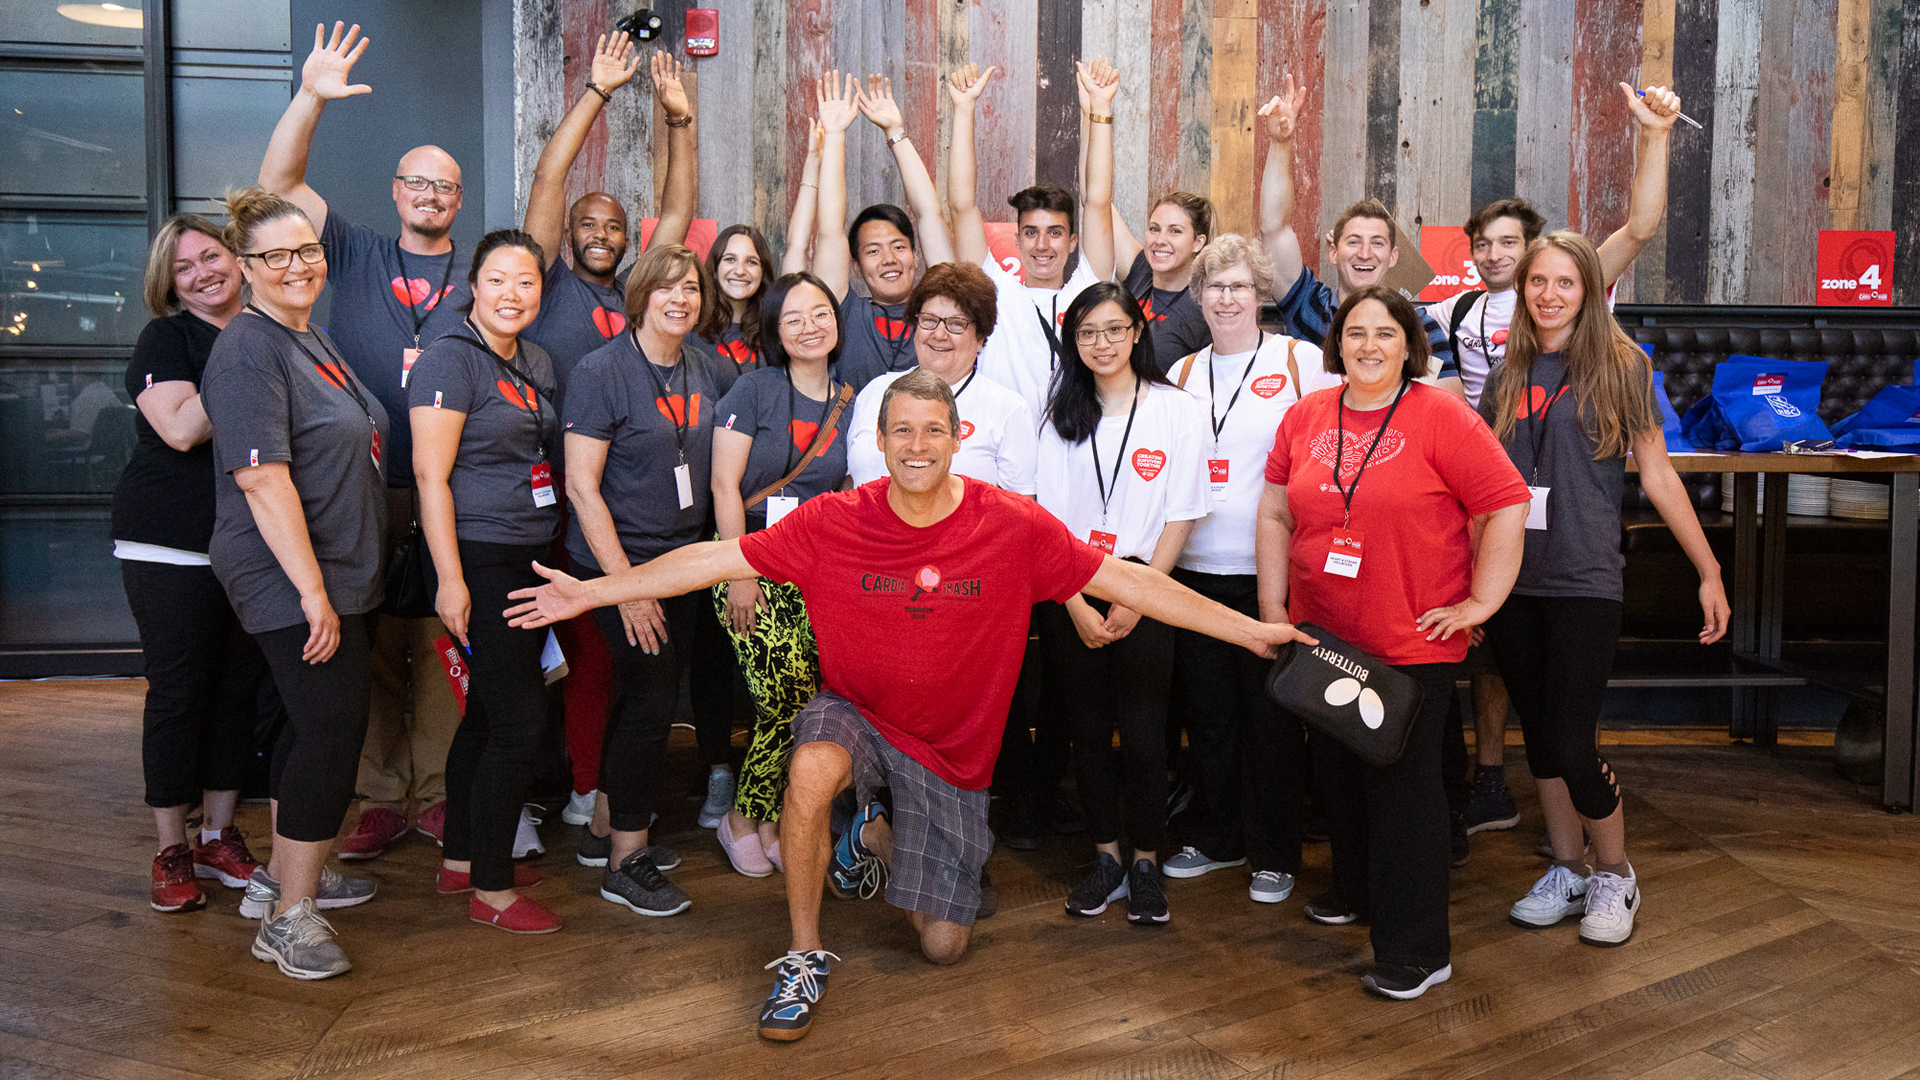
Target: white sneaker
1612, 902
1270, 886
579, 809
1559, 893
526, 839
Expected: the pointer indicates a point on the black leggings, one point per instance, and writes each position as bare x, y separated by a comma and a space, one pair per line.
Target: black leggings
1555, 653
1124, 685
1389, 832
1249, 756
317, 759
646, 694
721, 701
203, 682
493, 751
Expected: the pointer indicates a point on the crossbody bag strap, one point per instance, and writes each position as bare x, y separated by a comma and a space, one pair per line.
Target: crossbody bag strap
1293, 367
1186, 368
819, 445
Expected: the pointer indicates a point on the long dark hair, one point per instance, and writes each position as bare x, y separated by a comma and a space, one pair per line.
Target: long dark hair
1073, 403
775, 350
718, 317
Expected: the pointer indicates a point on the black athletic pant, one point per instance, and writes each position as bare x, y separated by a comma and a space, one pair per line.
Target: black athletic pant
1388, 825
1122, 686
646, 693
493, 751
1248, 756
721, 700
317, 759
203, 682
1555, 653
1035, 747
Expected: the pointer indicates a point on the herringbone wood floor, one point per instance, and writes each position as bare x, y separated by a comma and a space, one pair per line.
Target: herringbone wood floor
1781, 938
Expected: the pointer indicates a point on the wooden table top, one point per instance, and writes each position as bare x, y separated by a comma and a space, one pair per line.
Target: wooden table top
1740, 461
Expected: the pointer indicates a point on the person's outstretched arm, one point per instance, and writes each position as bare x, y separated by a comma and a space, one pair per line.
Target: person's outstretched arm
1158, 596
681, 196
964, 86
923, 201
1276, 187
1100, 82
806, 203
1647, 202
838, 106
323, 78
696, 566
614, 62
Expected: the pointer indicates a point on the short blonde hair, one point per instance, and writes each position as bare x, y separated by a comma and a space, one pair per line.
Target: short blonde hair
1223, 253
158, 290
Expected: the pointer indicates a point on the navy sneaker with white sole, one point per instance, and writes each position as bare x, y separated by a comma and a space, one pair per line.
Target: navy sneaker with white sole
788, 1012
854, 870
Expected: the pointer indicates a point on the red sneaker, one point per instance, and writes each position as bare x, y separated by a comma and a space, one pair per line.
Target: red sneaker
524, 917
432, 823
377, 828
173, 886
448, 882
227, 859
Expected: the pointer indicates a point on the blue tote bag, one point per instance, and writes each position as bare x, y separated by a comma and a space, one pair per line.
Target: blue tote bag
1758, 404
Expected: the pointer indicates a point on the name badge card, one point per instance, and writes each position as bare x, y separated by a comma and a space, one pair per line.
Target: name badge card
683, 486
376, 448
1217, 474
543, 484
1537, 509
1343, 556
1102, 541
778, 506
407, 357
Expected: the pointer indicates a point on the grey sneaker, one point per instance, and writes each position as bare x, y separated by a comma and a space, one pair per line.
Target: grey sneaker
719, 798
1270, 886
638, 885
301, 944
1192, 862
336, 891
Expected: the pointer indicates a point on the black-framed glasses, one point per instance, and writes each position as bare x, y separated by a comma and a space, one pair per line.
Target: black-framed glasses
956, 325
421, 183
1113, 334
281, 258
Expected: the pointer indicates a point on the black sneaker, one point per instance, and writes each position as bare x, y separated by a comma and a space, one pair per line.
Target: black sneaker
788, 1011
1330, 910
1146, 900
594, 850
1403, 982
1491, 806
638, 885
1107, 883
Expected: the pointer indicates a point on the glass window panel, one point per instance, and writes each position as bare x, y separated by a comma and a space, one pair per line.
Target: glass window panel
66, 426
73, 132
61, 23
221, 124
59, 581
71, 279
229, 24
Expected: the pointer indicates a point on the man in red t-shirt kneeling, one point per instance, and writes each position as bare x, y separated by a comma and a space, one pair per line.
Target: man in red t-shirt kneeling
919, 588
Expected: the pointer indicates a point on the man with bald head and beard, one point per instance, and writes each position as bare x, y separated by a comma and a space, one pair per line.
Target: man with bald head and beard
390, 298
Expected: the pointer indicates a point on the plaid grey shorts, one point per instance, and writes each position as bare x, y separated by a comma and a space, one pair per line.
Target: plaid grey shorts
940, 834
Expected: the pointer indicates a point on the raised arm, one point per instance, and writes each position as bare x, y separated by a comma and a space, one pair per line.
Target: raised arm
1158, 596
696, 566
964, 86
681, 196
1100, 82
323, 78
1126, 247
1647, 201
1276, 187
838, 107
614, 62
923, 201
806, 203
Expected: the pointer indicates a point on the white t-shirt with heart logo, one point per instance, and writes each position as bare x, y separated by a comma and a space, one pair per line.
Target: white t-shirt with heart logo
1162, 473
996, 435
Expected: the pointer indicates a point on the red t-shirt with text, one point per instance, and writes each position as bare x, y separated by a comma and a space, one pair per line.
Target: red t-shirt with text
1437, 466
924, 628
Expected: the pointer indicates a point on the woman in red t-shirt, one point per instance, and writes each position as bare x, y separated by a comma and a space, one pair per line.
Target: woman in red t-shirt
1418, 478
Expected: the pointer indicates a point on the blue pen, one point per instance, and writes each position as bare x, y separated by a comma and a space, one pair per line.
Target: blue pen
1682, 116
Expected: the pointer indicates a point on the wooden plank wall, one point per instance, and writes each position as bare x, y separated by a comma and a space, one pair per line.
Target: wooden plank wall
1435, 107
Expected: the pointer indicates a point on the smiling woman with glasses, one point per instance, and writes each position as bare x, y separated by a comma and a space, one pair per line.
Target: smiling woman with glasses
281, 258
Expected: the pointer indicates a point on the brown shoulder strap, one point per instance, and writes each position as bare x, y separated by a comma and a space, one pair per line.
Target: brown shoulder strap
1186, 368
1293, 367
820, 440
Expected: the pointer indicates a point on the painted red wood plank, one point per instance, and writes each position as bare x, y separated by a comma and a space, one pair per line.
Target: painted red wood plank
919, 88
1293, 35
1163, 105
581, 24
809, 53
1606, 51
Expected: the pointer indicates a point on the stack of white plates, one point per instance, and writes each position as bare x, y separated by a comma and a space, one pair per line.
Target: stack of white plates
1860, 501
1806, 494
1726, 493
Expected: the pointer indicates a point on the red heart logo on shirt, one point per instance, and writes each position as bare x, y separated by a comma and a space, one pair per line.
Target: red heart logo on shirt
520, 399
1268, 385
1537, 400
737, 351
674, 408
607, 322
1148, 463
891, 329
803, 432
966, 430
415, 292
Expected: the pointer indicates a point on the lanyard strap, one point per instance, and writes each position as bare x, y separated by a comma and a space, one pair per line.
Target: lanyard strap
535, 392
664, 384
1109, 488
1047, 327
891, 347
1537, 420
344, 380
1220, 421
413, 310
966, 382
1340, 451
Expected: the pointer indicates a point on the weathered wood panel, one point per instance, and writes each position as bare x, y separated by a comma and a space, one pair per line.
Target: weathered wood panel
951, 52
1606, 52
1056, 106
1690, 172
1293, 39
1646, 281
1542, 154
1383, 100
1002, 35
1775, 190
635, 158
772, 100
1236, 39
1130, 48
1435, 173
726, 117
1496, 100
539, 88
869, 38
1196, 102
918, 88
1736, 89
1343, 154
1905, 215
1164, 101
809, 40
1883, 75
583, 23
1848, 156
1808, 151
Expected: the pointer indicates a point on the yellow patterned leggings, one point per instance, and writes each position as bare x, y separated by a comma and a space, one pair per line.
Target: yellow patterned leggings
782, 667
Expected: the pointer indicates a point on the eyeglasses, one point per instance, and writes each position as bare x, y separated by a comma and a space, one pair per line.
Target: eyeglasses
1114, 335
421, 183
281, 258
957, 325
1221, 289
822, 317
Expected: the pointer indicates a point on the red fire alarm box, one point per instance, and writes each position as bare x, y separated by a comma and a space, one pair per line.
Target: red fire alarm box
703, 31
